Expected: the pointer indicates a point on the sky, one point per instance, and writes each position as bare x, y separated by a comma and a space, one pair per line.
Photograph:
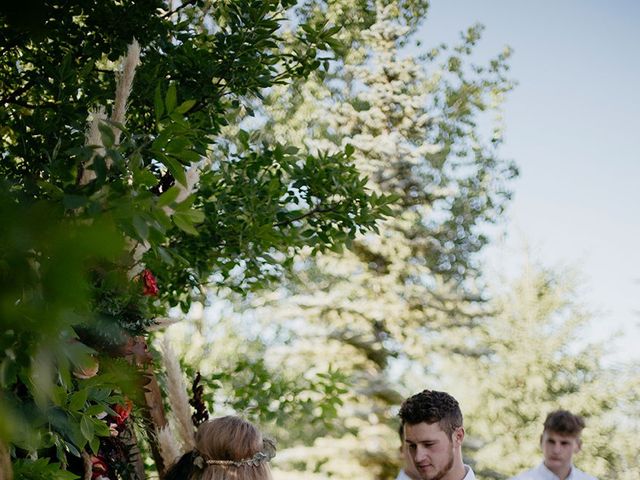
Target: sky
572, 128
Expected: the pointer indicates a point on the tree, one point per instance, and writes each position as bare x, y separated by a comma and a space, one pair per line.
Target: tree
534, 360
377, 312
107, 225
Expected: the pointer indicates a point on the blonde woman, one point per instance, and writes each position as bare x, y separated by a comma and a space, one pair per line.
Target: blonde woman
227, 448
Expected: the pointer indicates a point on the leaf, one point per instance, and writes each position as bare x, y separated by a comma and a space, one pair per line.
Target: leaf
188, 156
94, 410
194, 216
176, 169
72, 449
183, 223
40, 469
349, 149
171, 98
101, 428
168, 197
94, 444
78, 399
106, 134
158, 103
145, 178
59, 395
87, 428
185, 106
165, 256
141, 227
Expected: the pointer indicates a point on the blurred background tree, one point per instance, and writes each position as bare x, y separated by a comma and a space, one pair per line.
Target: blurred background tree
532, 360
407, 308
382, 310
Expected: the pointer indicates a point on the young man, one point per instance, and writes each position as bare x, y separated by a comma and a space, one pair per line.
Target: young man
560, 440
433, 435
408, 471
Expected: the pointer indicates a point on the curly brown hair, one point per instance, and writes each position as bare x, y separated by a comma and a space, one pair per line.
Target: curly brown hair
431, 406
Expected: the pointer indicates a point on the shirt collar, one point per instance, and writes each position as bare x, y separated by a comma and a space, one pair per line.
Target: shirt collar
469, 475
547, 474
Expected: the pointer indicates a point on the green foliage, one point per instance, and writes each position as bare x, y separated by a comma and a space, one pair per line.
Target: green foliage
84, 212
40, 469
273, 398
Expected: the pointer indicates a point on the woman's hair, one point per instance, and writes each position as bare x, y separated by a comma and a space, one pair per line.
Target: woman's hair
227, 448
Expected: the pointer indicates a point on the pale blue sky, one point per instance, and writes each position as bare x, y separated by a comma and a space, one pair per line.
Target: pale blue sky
572, 127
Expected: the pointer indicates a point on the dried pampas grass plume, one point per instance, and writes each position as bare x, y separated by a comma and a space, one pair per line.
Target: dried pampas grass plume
93, 139
169, 448
124, 84
178, 398
123, 90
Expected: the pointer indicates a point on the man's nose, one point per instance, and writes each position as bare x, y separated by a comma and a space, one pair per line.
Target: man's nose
421, 454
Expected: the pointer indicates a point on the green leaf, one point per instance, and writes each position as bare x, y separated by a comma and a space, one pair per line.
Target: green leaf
78, 399
185, 106
158, 103
145, 178
87, 428
165, 256
40, 469
188, 156
184, 223
59, 395
107, 134
176, 169
94, 410
101, 428
141, 227
168, 197
72, 449
349, 149
171, 98
194, 216
94, 444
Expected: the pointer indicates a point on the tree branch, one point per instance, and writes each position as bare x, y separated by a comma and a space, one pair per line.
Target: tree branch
176, 10
13, 96
310, 213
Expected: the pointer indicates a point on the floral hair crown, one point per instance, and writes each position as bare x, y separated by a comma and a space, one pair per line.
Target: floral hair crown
266, 454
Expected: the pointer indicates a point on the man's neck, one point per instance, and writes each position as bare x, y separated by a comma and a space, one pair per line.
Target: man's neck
562, 473
458, 472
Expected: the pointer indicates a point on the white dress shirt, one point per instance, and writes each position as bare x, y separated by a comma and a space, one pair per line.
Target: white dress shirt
541, 472
469, 475
467, 470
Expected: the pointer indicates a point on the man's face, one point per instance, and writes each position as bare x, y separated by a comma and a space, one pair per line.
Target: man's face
431, 450
558, 450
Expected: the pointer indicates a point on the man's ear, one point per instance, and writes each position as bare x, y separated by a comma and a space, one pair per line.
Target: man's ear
578, 445
458, 436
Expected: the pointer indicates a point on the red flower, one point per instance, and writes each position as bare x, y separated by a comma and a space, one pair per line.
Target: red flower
98, 467
123, 412
150, 284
